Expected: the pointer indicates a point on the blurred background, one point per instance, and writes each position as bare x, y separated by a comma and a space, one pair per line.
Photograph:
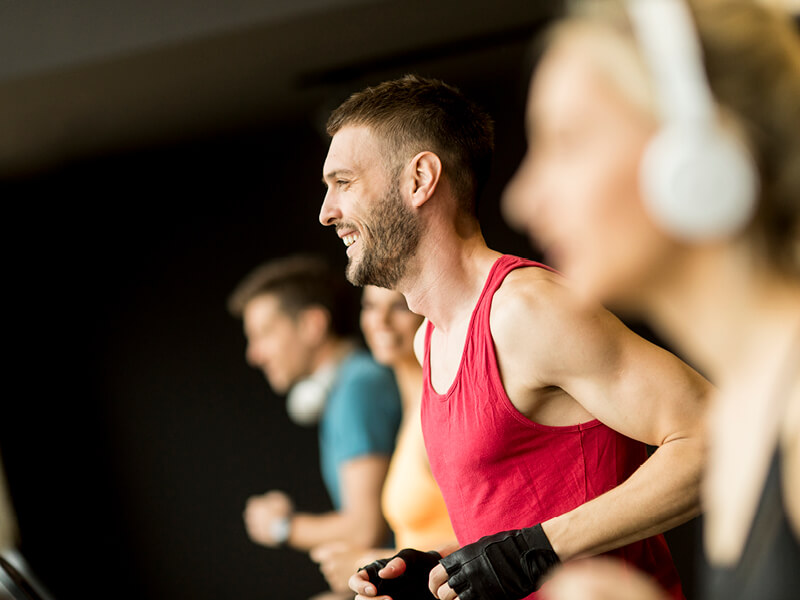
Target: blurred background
151, 153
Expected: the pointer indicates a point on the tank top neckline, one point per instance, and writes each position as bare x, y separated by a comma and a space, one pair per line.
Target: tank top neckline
774, 475
429, 332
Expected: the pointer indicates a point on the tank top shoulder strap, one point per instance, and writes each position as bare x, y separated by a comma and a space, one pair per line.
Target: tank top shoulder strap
426, 350
478, 328
500, 270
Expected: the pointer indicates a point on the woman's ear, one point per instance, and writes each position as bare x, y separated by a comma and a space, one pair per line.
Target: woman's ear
426, 170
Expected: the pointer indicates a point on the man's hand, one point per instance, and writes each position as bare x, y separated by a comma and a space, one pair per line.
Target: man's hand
403, 577
505, 566
437, 584
263, 516
359, 582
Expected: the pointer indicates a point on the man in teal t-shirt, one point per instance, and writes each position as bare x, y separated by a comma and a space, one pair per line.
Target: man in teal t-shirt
300, 319
360, 418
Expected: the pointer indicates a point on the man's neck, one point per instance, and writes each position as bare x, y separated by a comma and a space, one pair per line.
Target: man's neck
449, 274
333, 351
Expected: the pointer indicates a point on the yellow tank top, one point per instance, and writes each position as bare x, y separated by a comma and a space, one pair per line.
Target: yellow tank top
411, 500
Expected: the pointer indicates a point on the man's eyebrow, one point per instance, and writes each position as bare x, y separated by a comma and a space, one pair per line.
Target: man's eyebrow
334, 174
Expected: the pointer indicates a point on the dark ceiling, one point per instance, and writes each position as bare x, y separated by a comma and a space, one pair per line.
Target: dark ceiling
87, 77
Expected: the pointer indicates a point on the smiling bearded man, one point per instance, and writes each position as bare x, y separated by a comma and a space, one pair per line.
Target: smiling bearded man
390, 239
536, 408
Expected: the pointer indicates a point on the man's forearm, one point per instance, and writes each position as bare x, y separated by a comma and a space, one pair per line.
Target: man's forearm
309, 530
663, 493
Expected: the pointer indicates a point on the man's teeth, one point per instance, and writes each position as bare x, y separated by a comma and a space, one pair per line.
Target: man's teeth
349, 240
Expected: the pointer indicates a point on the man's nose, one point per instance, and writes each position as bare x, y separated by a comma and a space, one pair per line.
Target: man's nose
329, 212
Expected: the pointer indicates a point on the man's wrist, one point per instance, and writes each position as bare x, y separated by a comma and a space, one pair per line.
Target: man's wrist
280, 529
505, 565
558, 533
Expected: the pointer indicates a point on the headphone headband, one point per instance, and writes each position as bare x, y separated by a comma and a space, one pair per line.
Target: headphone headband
666, 36
698, 180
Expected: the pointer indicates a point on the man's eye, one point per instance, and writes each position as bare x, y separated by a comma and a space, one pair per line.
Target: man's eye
342, 182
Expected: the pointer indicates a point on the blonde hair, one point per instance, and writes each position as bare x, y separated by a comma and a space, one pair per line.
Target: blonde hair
752, 59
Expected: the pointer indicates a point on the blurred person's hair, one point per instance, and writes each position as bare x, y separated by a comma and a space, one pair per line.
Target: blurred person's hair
300, 282
752, 60
413, 114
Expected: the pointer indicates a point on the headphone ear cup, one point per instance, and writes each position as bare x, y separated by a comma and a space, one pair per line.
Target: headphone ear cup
306, 401
698, 184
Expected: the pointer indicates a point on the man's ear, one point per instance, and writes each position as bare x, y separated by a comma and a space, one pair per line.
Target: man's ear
426, 170
313, 325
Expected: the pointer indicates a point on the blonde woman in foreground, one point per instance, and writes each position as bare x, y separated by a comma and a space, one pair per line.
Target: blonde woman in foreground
725, 293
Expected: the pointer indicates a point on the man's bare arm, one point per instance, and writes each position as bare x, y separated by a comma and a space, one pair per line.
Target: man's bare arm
545, 338
360, 522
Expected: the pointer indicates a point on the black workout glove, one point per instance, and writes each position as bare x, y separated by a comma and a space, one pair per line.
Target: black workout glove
411, 585
504, 566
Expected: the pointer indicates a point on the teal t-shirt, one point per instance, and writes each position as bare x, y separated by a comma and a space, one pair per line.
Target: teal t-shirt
361, 416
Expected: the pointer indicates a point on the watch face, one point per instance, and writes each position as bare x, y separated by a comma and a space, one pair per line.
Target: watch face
280, 530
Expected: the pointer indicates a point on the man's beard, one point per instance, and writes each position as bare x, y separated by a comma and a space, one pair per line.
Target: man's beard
394, 234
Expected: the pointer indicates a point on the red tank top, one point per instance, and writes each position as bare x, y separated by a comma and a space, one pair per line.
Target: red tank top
498, 470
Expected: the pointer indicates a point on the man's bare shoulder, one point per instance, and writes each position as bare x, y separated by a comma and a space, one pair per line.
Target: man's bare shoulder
537, 315
528, 313
536, 323
531, 295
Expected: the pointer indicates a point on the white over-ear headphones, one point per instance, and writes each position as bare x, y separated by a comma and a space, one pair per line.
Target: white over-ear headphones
306, 399
698, 180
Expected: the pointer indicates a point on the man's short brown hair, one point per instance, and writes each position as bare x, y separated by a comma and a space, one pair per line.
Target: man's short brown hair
413, 114
299, 282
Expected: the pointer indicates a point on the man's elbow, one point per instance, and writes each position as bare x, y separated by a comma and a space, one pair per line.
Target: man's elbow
688, 456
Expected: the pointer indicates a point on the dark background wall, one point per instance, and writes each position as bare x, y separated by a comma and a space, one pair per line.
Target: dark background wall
135, 431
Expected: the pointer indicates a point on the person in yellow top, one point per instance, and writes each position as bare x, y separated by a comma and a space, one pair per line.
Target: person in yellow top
411, 501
